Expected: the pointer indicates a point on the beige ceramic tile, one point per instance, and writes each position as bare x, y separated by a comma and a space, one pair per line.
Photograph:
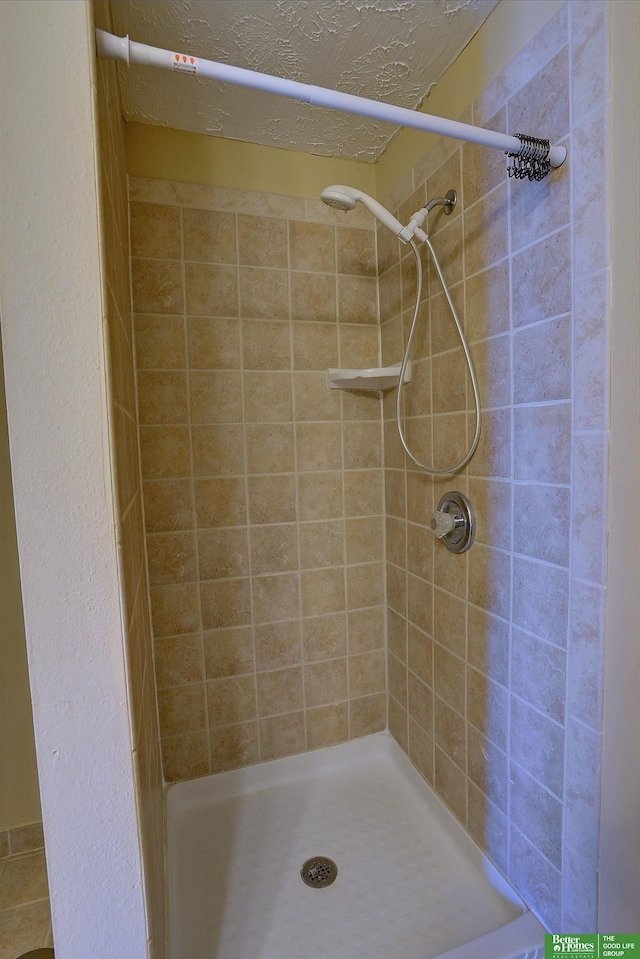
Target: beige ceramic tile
421, 750
209, 236
420, 702
270, 448
265, 345
357, 299
321, 544
156, 286
277, 645
282, 735
214, 343
185, 756
312, 400
262, 241
280, 691
272, 499
217, 450
215, 397
367, 714
388, 250
397, 679
356, 252
542, 517
155, 231
160, 342
175, 609
274, 548
233, 747
26, 839
211, 290
484, 169
487, 298
450, 732
262, 204
389, 293
420, 654
225, 603
312, 247
264, 294
364, 539
322, 591
313, 297
327, 725
542, 443
162, 397
276, 597
419, 603
171, 558
542, 279
359, 347
267, 397
319, 495
324, 637
365, 629
325, 682
231, 700
220, 501
362, 445
181, 709
398, 723
533, 582
223, 553
363, 492
178, 660
315, 346
367, 673
318, 446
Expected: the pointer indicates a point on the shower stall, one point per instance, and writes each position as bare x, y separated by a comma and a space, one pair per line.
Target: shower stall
282, 591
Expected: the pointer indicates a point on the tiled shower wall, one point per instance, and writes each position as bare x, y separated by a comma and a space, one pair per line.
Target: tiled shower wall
495, 655
128, 493
263, 491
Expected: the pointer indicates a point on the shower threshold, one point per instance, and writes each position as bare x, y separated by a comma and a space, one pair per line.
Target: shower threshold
411, 884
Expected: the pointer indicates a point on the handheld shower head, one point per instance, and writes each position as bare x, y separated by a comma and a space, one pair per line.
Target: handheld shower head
334, 197
342, 197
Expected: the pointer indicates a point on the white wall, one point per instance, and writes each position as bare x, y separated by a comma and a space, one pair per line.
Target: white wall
50, 296
619, 898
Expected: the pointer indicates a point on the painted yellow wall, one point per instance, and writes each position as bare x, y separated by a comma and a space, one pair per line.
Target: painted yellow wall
163, 153
168, 154
19, 796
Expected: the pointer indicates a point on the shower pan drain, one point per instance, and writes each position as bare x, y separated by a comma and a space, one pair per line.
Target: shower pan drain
319, 872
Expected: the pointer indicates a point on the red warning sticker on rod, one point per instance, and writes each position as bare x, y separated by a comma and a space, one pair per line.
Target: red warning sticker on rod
183, 63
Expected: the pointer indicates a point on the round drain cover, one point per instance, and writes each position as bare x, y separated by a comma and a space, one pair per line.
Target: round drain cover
319, 872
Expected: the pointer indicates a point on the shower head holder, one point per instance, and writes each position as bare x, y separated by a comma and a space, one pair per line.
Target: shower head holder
415, 224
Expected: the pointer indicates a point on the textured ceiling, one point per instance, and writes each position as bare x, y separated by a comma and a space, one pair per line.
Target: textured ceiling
389, 50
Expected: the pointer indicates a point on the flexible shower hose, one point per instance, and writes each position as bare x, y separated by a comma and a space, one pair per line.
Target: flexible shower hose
405, 359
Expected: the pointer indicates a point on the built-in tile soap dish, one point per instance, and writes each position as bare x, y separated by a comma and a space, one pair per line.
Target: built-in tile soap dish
375, 378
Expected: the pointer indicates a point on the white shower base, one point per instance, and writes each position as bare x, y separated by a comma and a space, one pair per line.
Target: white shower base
411, 883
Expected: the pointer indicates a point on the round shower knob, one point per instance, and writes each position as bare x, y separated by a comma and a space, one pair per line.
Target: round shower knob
442, 523
453, 522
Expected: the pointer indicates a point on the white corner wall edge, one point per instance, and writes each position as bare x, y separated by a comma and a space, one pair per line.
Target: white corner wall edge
50, 297
619, 893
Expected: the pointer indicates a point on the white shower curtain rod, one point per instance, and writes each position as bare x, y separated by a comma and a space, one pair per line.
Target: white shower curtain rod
109, 46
